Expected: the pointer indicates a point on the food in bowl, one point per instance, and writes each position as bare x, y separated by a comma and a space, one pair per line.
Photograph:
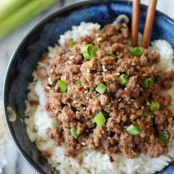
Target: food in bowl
96, 105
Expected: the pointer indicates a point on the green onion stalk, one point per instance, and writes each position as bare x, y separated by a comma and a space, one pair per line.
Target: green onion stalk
7, 7
22, 15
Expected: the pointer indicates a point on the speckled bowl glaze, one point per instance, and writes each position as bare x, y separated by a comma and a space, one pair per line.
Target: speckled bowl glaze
47, 33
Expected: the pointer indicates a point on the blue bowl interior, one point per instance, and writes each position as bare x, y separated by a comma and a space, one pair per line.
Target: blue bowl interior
36, 42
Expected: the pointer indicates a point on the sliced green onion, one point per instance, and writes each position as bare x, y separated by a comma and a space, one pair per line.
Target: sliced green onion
112, 55
137, 51
79, 83
100, 119
133, 129
73, 133
163, 137
123, 79
89, 51
154, 106
72, 44
147, 83
62, 86
101, 88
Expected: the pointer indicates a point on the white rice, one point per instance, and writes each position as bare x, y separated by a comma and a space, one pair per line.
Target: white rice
166, 52
38, 122
79, 31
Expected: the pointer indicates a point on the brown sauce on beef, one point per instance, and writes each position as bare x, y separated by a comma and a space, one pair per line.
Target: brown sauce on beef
121, 106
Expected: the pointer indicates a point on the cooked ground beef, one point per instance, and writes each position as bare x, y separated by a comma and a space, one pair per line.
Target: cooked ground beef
134, 117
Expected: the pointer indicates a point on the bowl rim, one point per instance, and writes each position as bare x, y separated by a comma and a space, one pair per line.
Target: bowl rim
70, 7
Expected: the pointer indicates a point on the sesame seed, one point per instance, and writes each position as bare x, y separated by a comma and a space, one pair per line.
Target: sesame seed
103, 73
142, 135
85, 92
64, 77
48, 87
98, 39
50, 81
71, 57
51, 70
109, 138
84, 108
77, 112
69, 62
56, 88
87, 98
88, 70
117, 74
147, 103
91, 64
83, 143
104, 68
74, 102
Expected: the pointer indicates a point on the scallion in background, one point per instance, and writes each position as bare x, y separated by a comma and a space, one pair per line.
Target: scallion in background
15, 13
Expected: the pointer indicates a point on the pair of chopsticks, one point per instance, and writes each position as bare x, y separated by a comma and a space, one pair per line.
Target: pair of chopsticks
148, 24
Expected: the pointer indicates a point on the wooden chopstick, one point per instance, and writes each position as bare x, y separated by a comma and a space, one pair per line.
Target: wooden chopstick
135, 21
149, 23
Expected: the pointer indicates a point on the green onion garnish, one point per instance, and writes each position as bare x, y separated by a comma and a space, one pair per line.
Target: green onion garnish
133, 129
72, 44
137, 51
89, 51
154, 106
101, 88
147, 83
79, 83
163, 137
62, 86
112, 55
100, 119
73, 133
123, 79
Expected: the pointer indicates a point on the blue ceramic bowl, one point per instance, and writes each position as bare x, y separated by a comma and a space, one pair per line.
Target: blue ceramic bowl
36, 42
